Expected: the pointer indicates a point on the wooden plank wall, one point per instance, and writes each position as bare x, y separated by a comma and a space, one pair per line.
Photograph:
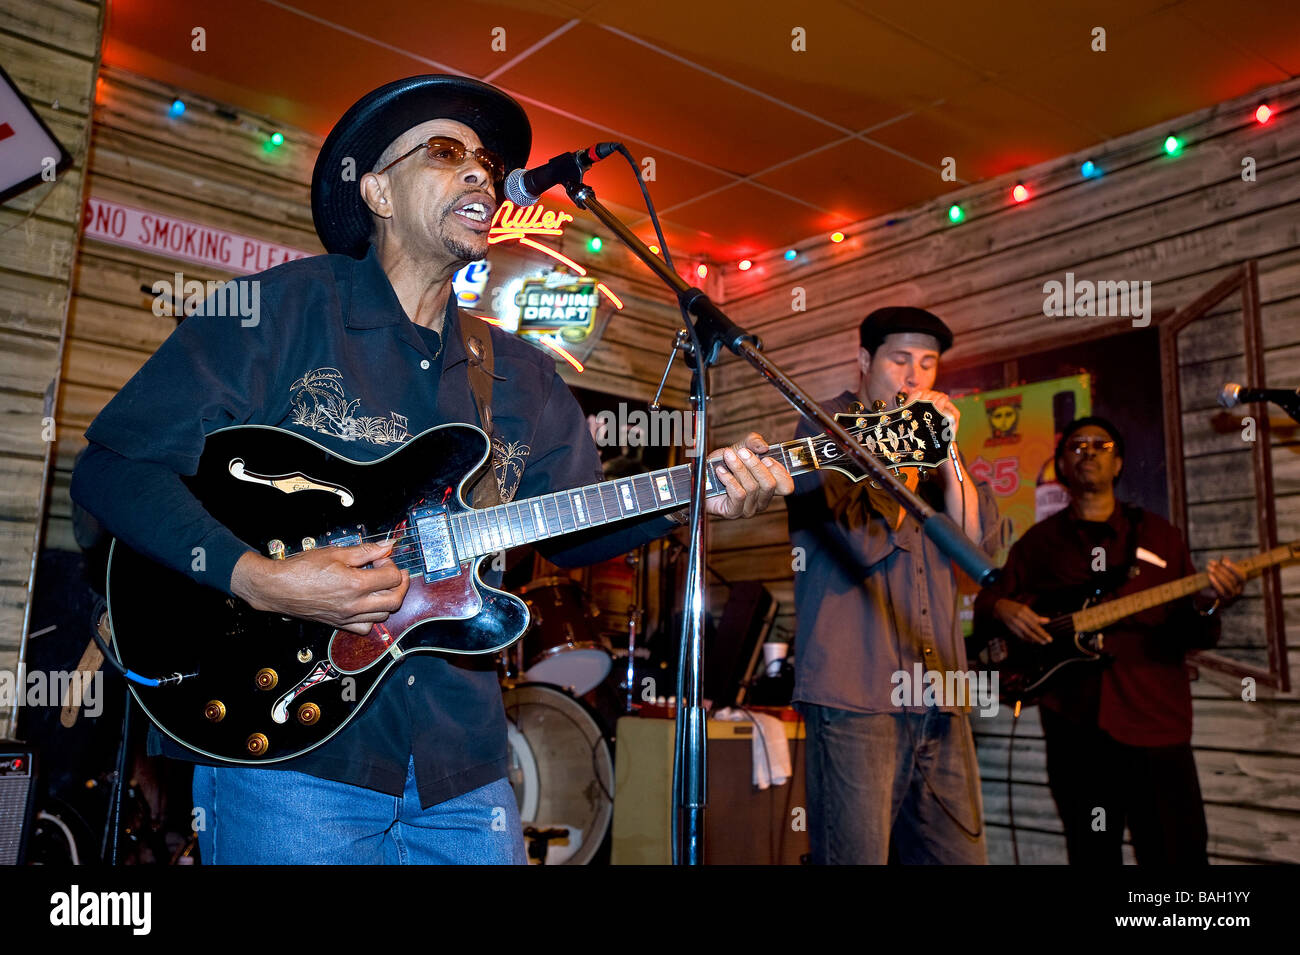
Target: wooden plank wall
1181, 223
213, 169
51, 52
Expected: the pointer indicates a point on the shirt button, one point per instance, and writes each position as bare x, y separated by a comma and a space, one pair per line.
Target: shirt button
410, 680
923, 611
424, 364
928, 651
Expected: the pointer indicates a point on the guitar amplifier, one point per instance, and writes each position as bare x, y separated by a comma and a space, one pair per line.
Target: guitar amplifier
742, 825
17, 795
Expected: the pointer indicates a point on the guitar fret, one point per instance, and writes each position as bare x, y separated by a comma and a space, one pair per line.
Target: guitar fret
609, 501
627, 498
553, 515
595, 506
645, 494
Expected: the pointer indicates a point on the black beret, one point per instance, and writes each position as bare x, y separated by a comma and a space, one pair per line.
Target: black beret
902, 318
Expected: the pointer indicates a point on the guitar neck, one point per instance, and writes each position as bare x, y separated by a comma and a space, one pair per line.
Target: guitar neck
1091, 619
492, 529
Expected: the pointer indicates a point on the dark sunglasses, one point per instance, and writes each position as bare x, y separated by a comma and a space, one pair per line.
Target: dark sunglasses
445, 151
1100, 445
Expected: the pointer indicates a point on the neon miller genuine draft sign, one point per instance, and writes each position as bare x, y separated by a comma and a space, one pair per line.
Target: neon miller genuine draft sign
560, 307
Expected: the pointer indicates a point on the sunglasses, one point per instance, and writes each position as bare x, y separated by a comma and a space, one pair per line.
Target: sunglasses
1099, 445
445, 151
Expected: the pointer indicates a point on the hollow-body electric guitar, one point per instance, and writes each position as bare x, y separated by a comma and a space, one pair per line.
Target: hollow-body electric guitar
258, 687
1076, 624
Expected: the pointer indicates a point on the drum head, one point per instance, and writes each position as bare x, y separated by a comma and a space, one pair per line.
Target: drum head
578, 668
561, 770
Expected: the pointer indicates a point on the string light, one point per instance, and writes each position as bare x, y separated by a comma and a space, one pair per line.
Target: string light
594, 244
701, 270
277, 139
654, 249
177, 107
1172, 145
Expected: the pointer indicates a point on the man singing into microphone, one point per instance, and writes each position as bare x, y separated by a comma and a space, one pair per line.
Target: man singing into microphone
359, 350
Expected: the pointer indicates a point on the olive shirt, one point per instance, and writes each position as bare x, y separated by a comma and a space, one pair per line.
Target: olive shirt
870, 600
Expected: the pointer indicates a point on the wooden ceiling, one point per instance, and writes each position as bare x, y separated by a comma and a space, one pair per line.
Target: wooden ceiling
756, 145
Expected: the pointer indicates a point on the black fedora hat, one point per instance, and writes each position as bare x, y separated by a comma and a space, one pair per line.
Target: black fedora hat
372, 123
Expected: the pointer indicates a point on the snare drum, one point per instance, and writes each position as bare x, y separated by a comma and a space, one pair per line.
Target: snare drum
563, 644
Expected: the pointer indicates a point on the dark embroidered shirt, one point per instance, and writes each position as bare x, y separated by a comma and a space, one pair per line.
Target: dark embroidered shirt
332, 356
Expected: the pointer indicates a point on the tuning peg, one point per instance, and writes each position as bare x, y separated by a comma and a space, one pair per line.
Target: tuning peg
856, 407
878, 405
900, 399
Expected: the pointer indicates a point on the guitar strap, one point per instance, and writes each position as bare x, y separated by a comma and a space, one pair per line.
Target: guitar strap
1133, 514
477, 338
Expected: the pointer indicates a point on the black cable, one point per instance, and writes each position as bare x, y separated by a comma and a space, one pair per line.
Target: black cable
1011, 808
700, 389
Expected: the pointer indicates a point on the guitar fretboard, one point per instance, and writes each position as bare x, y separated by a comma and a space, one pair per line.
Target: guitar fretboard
492, 529
1103, 615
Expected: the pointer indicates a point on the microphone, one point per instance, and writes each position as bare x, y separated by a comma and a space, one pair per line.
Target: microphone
523, 187
1234, 394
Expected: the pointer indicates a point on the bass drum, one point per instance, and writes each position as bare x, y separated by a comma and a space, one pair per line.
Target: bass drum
561, 770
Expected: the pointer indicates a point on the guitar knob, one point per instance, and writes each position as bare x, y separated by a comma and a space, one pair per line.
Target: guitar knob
304, 655
276, 549
214, 711
257, 744
308, 714
266, 679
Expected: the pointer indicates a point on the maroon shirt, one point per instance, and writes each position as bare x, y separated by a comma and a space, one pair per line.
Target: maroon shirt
1143, 697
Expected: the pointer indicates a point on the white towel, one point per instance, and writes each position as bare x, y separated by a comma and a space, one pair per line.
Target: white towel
770, 750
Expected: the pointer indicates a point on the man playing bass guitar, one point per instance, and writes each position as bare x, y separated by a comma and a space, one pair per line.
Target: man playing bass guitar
1118, 736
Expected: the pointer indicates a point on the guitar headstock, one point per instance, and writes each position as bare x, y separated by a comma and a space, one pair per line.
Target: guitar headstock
911, 436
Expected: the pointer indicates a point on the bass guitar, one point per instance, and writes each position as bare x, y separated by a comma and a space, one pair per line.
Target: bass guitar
1026, 669
253, 687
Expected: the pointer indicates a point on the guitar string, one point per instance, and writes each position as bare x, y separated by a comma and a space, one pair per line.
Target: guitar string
412, 535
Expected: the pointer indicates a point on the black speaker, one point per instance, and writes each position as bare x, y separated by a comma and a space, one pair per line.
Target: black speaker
17, 799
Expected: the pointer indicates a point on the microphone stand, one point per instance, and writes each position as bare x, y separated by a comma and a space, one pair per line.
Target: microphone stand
713, 329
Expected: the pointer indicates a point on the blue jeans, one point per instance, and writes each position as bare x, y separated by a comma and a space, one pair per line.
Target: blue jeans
280, 817
873, 782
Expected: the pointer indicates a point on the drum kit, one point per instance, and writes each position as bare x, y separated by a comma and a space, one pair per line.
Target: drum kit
562, 698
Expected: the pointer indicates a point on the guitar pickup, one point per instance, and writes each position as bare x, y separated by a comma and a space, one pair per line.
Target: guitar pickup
437, 546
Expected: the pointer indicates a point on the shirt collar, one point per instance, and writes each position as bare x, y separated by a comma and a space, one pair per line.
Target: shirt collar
1116, 523
373, 303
